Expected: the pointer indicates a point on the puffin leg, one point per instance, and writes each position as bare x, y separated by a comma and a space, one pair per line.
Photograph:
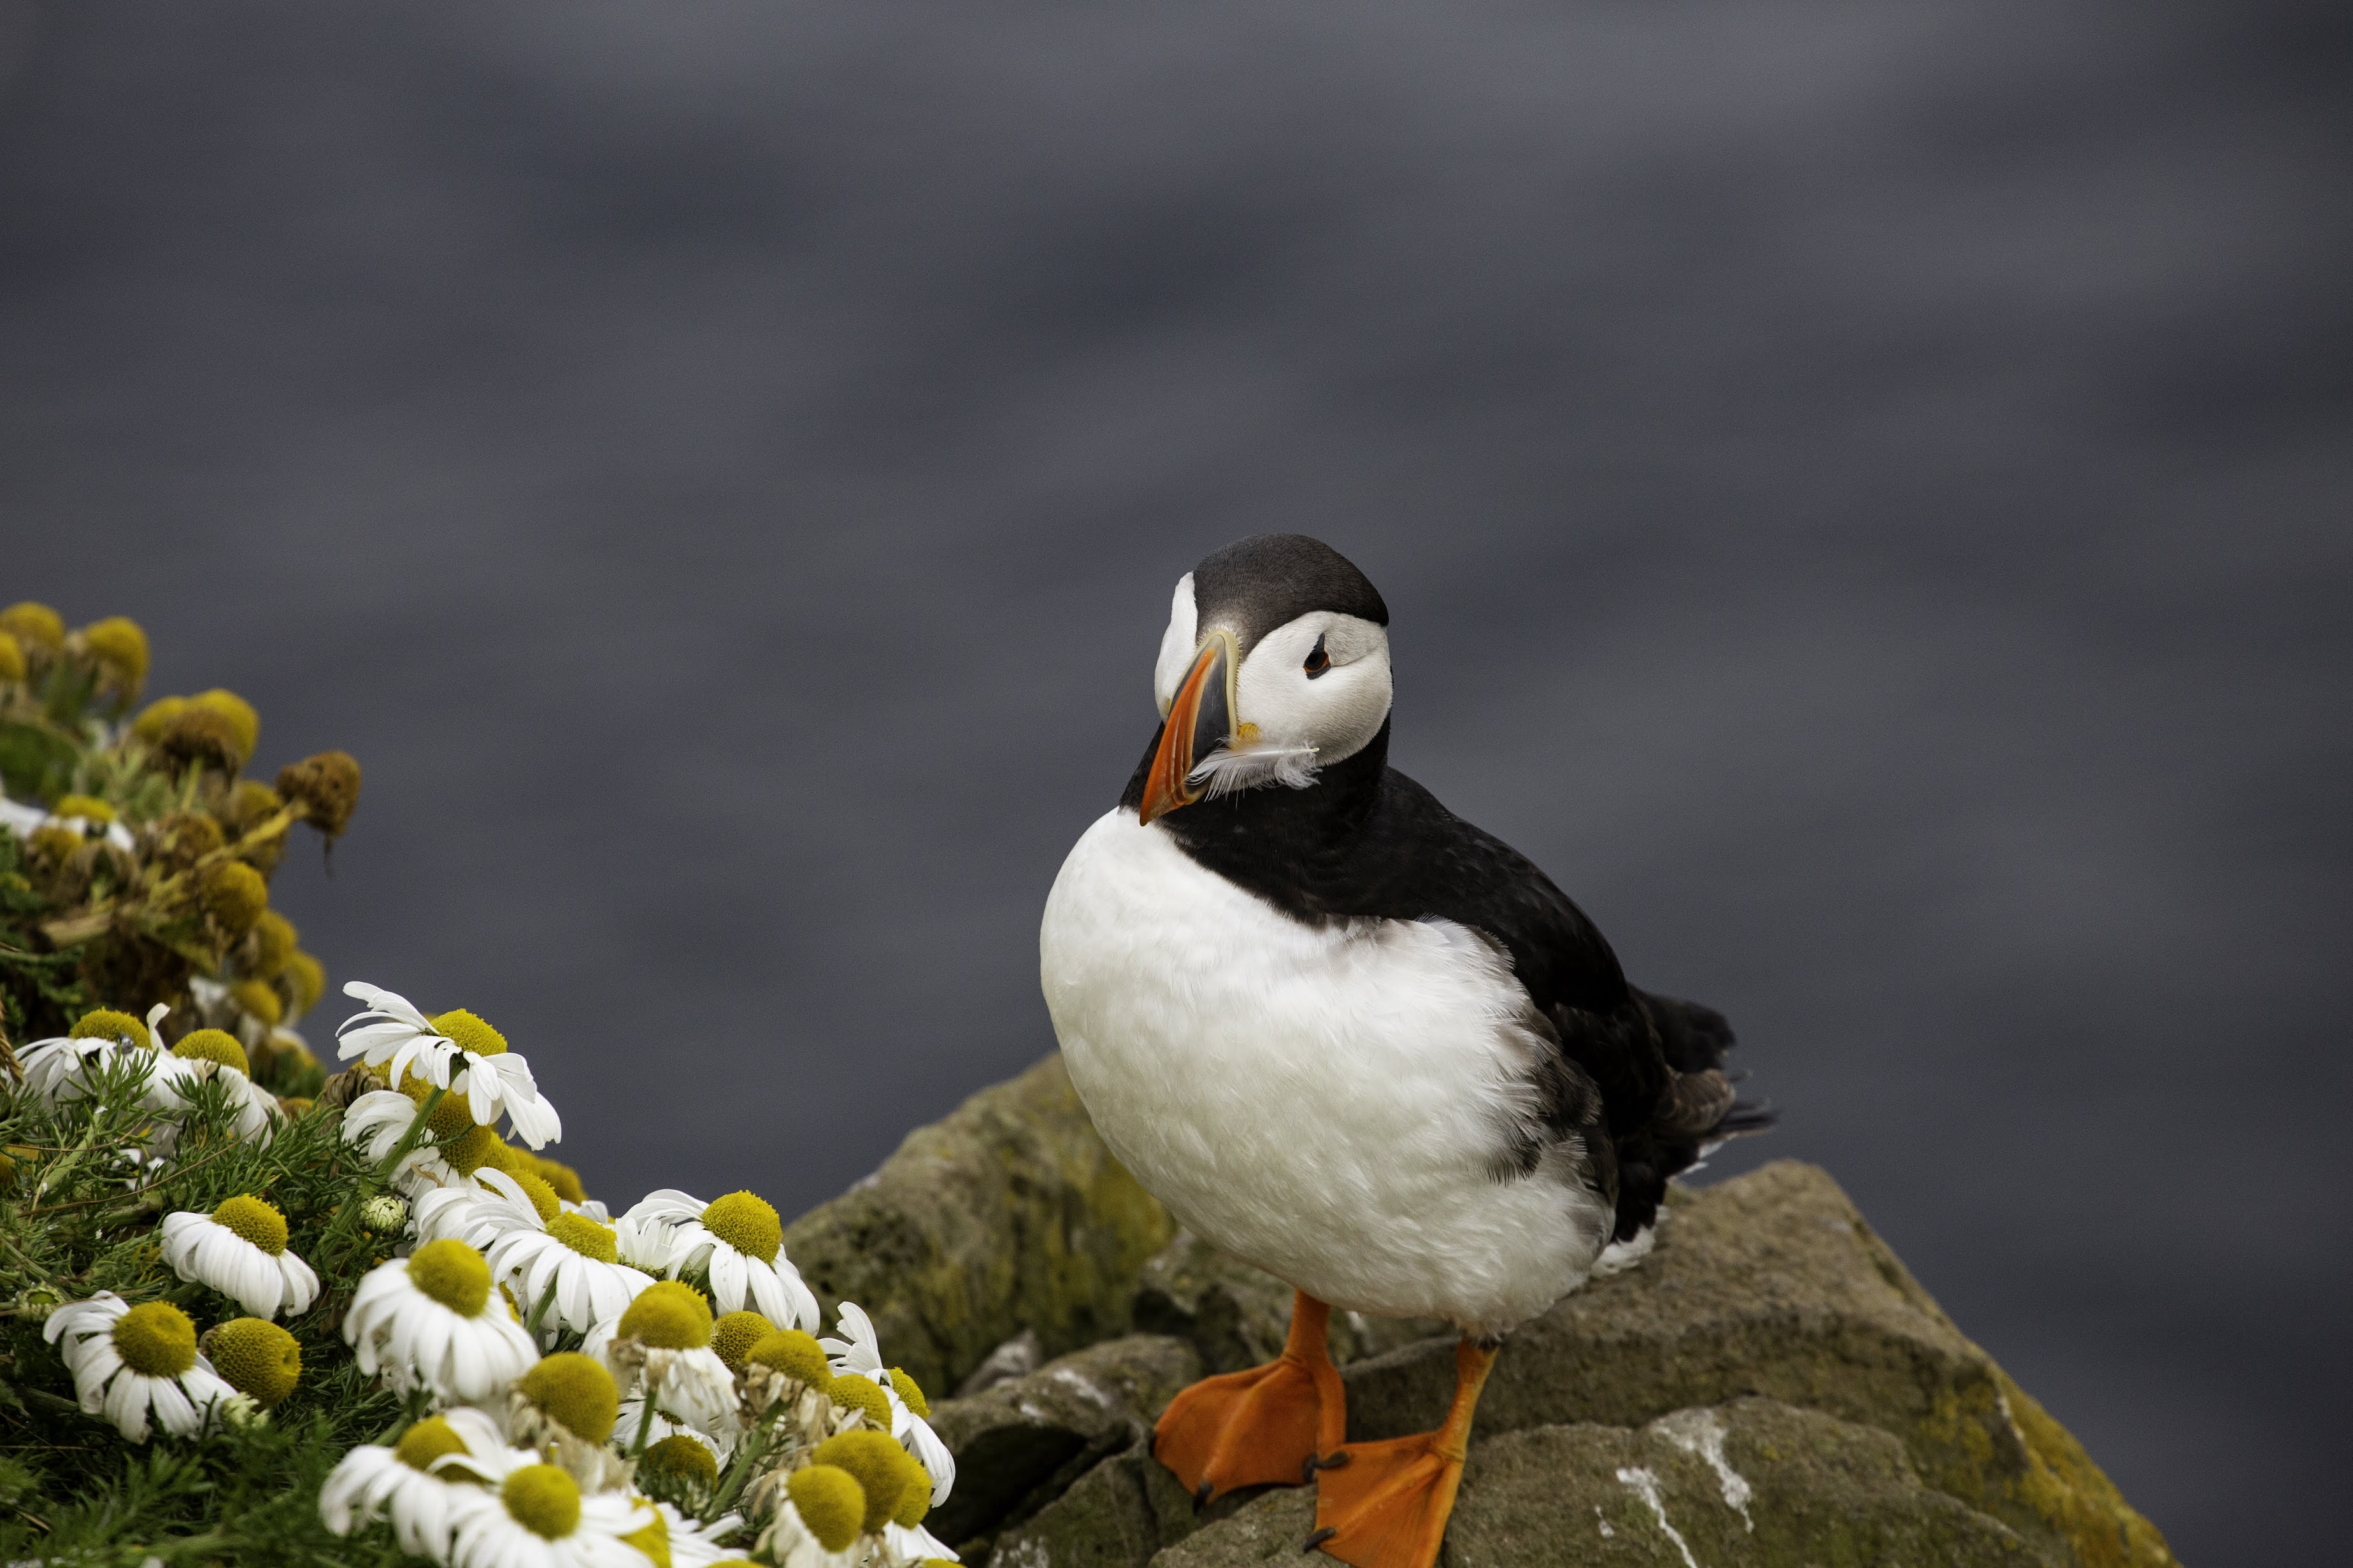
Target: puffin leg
1385, 1505
1263, 1426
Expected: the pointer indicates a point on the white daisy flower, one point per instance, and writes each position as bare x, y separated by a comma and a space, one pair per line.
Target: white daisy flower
694, 1545
740, 1242
27, 820
128, 1361
456, 1051
379, 1120
480, 1211
662, 1425
239, 1250
533, 1515
431, 1321
570, 1262
862, 1354
903, 1545
790, 1542
662, 1343
215, 1056
62, 1067
403, 1483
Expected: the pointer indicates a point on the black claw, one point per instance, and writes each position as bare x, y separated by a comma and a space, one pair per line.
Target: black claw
1319, 1538
1201, 1493
1337, 1459
1307, 1471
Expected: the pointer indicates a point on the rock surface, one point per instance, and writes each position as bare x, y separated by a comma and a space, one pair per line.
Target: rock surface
1769, 1386
1007, 1215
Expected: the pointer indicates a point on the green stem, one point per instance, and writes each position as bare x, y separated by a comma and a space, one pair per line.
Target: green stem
747, 1454
546, 1298
645, 1425
380, 1177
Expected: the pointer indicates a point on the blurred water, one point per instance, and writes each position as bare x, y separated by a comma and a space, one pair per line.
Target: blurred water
1862, 491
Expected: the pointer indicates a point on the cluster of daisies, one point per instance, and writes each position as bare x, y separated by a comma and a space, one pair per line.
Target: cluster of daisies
575, 1387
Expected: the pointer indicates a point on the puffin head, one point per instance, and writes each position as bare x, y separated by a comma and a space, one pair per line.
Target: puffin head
1275, 664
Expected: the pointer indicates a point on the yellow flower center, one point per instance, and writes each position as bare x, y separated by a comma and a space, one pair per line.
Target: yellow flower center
653, 1540
915, 1502
106, 1024
243, 721
910, 1392
830, 1503
471, 1152
543, 1196
470, 1033
156, 1338
258, 1358
309, 978
577, 1391
736, 1332
543, 1500
274, 937
882, 1469
584, 1237
213, 1046
449, 1117
852, 1391
747, 1222
235, 895
260, 999
119, 643
82, 805
34, 623
453, 1274
795, 1353
256, 1221
426, 1441
680, 1460
668, 1315
564, 1179
156, 717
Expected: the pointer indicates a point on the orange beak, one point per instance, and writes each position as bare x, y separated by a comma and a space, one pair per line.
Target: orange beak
1200, 720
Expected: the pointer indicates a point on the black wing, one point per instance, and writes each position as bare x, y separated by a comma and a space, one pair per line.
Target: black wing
1368, 842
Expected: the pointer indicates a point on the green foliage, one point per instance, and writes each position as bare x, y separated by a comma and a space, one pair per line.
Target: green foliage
132, 911
78, 1221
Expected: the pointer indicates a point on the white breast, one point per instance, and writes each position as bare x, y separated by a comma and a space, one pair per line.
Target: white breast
1326, 1103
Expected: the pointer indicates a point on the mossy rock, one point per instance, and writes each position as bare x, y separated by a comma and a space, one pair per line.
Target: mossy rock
1022, 1442
1238, 1316
1754, 1482
1771, 1285
1008, 1215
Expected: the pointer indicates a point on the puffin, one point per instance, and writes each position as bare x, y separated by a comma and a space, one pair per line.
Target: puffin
1353, 1040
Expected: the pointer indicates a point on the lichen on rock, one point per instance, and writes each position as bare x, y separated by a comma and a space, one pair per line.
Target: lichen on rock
1771, 1339
1008, 1215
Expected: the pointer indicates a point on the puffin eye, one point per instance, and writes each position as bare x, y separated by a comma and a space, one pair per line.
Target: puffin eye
1318, 661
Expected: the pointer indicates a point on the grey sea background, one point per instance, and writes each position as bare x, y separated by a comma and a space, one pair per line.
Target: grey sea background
1862, 492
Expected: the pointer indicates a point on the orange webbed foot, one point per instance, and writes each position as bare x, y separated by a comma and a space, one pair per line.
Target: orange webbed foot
1385, 1505
1261, 1426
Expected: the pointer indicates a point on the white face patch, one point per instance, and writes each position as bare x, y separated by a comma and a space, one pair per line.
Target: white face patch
1177, 644
1333, 714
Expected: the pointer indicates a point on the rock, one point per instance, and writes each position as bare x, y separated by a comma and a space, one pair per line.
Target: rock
1868, 1427
1238, 1316
1771, 1285
1017, 1357
1009, 1215
1118, 1515
1020, 1443
1755, 1482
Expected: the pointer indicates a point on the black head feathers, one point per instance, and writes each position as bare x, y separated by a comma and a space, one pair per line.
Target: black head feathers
1255, 584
